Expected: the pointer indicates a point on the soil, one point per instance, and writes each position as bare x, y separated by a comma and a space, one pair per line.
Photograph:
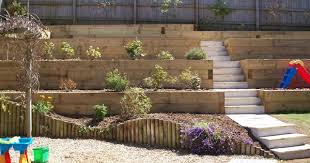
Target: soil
221, 123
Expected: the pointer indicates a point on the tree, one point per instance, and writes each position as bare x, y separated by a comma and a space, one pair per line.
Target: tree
25, 32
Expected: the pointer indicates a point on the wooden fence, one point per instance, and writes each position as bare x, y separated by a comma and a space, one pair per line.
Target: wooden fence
246, 14
154, 132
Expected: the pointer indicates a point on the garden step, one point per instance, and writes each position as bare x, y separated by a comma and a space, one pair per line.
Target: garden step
214, 49
245, 109
242, 101
241, 93
211, 43
296, 152
227, 71
228, 78
215, 53
271, 130
230, 85
226, 64
286, 140
219, 58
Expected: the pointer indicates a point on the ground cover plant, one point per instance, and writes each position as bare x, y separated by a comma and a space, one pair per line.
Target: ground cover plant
101, 111
165, 55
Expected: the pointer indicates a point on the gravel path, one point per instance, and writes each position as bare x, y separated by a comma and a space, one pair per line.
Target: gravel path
92, 151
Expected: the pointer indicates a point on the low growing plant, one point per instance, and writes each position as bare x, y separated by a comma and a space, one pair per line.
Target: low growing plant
3, 100
207, 141
48, 48
93, 53
189, 79
101, 111
196, 54
134, 49
67, 50
67, 84
43, 105
165, 55
159, 78
116, 81
134, 103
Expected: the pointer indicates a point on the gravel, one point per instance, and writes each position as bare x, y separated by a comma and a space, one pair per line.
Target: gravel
94, 151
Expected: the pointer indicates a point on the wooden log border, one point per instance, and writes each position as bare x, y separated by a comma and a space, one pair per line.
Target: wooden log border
144, 131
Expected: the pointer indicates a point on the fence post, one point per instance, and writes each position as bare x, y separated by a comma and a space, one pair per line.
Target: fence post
257, 15
196, 10
74, 11
134, 11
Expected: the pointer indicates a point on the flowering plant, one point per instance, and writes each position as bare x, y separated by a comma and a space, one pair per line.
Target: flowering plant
44, 104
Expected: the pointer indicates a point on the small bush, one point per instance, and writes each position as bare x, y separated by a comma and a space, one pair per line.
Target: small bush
67, 85
43, 105
134, 103
196, 54
48, 48
93, 53
159, 78
188, 79
207, 141
116, 81
15, 8
67, 50
134, 49
165, 55
101, 111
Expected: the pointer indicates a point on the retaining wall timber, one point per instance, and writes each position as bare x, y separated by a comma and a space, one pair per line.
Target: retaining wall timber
266, 73
276, 101
91, 74
170, 30
251, 48
82, 102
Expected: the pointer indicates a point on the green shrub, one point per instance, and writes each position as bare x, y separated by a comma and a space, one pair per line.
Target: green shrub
48, 48
188, 79
67, 50
220, 8
101, 111
196, 54
43, 105
15, 8
93, 53
165, 55
116, 81
159, 78
134, 49
135, 103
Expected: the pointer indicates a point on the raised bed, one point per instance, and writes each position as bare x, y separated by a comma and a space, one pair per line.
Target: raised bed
150, 131
276, 101
91, 74
163, 101
266, 73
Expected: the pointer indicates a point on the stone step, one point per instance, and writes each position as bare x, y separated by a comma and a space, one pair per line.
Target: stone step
285, 140
296, 152
245, 109
241, 93
230, 85
215, 53
236, 101
214, 49
227, 71
228, 78
273, 129
219, 58
226, 64
211, 43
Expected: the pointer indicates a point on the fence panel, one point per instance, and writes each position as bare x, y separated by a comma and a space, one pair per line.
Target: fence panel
273, 14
